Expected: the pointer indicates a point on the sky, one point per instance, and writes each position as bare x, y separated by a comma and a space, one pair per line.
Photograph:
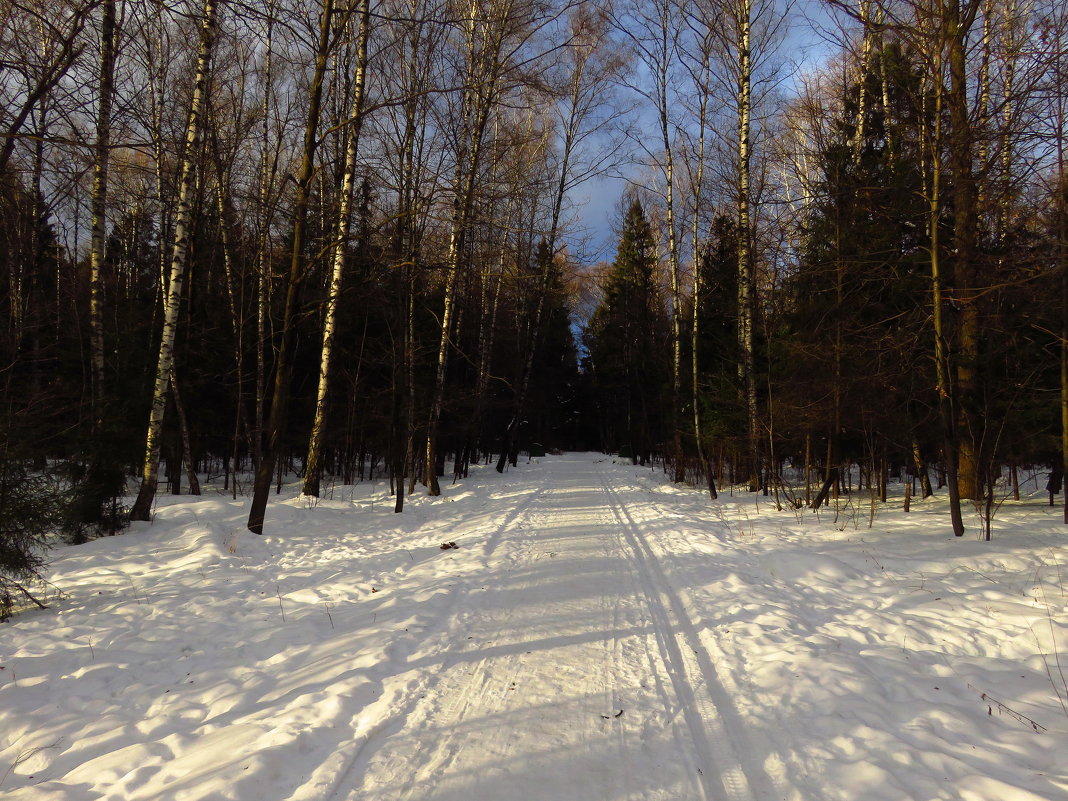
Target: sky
811, 37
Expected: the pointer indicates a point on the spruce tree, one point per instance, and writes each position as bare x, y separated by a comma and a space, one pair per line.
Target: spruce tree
627, 343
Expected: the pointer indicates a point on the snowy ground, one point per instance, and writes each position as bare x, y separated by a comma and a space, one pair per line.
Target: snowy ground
596, 633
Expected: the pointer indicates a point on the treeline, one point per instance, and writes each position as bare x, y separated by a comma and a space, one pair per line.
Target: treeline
872, 267
320, 237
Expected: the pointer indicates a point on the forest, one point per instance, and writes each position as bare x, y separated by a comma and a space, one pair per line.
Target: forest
252, 239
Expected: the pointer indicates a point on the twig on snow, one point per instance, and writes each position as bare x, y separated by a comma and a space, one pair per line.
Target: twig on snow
1006, 710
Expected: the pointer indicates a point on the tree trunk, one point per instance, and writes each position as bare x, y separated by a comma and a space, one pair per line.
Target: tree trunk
960, 145
482, 69
662, 78
313, 468
98, 245
263, 248
237, 322
695, 328
808, 469
921, 469
946, 393
1062, 215
187, 442
746, 283
283, 360
142, 507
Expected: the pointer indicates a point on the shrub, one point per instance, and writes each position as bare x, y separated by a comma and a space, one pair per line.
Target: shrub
31, 509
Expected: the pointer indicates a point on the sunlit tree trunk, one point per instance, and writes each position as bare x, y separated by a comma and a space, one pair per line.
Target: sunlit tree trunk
295, 279
864, 14
142, 507
673, 266
746, 282
313, 466
703, 80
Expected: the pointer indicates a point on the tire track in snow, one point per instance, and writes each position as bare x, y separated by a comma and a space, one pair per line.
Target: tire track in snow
706, 707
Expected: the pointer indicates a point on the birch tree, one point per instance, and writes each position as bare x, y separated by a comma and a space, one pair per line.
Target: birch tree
653, 29
142, 507
491, 35
98, 224
297, 272
50, 38
584, 116
743, 11
700, 72
313, 465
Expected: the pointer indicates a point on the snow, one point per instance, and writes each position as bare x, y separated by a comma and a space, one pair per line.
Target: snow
597, 633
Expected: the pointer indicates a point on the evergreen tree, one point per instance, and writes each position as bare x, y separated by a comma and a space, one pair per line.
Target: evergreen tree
554, 388
627, 345
717, 346
851, 377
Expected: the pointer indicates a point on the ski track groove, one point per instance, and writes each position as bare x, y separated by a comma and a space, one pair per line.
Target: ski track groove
475, 693
712, 724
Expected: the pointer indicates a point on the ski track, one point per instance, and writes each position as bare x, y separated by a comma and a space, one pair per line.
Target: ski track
578, 583
343, 768
725, 769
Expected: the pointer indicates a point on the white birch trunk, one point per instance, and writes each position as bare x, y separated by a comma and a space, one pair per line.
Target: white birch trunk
313, 467
666, 45
142, 508
746, 366
702, 121
864, 12
294, 281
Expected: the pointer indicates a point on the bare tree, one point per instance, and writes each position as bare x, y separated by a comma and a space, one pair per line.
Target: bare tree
653, 30
583, 113
297, 272
142, 508
699, 68
493, 37
313, 465
101, 158
51, 37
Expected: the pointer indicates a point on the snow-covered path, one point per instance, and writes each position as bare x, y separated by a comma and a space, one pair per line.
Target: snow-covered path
577, 673
597, 634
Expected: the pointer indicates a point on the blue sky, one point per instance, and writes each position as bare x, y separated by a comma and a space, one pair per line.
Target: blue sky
810, 38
